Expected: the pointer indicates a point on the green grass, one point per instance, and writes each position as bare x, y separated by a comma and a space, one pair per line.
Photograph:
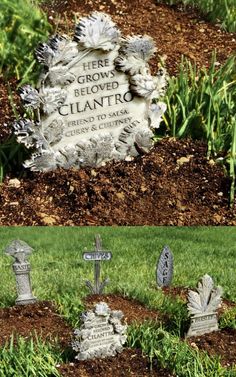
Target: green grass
22, 27
58, 273
28, 358
59, 270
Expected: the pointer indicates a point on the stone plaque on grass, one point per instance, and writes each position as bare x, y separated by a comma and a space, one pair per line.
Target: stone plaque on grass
164, 270
101, 334
96, 100
20, 250
202, 306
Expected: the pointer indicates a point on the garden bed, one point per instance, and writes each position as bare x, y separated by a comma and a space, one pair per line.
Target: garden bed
43, 319
173, 185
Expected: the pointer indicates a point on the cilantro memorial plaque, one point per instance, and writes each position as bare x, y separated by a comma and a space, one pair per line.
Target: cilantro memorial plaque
96, 100
101, 334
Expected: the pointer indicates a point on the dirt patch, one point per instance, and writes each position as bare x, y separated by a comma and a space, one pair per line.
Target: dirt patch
161, 188
176, 32
221, 343
132, 309
128, 363
41, 318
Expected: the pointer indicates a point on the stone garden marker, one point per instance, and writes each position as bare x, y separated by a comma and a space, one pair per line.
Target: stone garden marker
96, 99
164, 270
20, 250
97, 256
101, 333
202, 306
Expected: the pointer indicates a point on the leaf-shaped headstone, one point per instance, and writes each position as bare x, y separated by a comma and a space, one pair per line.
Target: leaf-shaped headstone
165, 266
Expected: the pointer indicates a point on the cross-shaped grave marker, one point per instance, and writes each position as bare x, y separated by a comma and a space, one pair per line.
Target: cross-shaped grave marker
97, 256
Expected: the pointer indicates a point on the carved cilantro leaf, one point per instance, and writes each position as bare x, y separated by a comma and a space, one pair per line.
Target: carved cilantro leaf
97, 31
143, 85
52, 98
155, 113
30, 96
28, 133
44, 161
140, 46
49, 99
130, 64
59, 49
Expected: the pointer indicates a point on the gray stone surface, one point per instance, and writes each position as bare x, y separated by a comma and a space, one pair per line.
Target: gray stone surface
96, 100
97, 256
20, 250
101, 334
202, 306
165, 266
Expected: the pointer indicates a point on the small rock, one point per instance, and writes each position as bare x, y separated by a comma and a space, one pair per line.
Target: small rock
14, 203
14, 183
120, 195
183, 160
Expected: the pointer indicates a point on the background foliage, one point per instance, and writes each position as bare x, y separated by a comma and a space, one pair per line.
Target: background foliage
22, 26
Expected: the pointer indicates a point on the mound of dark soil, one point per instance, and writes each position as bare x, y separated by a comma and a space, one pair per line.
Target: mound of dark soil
175, 184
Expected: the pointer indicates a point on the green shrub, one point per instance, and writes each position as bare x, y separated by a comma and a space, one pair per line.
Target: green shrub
22, 26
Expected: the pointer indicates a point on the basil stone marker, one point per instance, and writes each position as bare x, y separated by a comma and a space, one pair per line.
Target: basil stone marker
97, 256
202, 307
96, 100
164, 270
101, 334
21, 267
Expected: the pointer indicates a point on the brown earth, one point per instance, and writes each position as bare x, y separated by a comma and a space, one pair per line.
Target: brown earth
42, 318
160, 188
173, 185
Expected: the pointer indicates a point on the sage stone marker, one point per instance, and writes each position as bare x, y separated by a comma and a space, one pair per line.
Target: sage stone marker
96, 99
20, 250
202, 306
164, 270
101, 333
97, 256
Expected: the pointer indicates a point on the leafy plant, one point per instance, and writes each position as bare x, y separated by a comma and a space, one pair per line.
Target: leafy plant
201, 104
23, 26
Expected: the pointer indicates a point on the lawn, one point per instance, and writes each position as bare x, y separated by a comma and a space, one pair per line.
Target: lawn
58, 269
